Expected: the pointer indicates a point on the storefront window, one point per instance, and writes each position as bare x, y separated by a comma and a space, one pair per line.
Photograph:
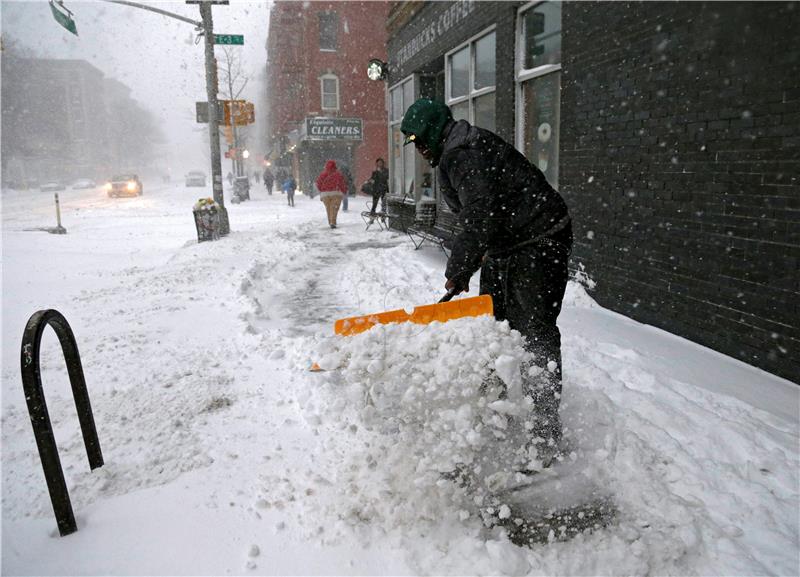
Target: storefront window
397, 105
484, 111
541, 105
408, 170
459, 73
460, 111
484, 62
397, 159
470, 81
541, 29
539, 86
402, 167
408, 97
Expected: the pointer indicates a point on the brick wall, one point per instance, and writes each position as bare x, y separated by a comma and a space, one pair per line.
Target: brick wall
296, 64
680, 150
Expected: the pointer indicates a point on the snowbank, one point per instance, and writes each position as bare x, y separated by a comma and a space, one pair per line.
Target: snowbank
433, 402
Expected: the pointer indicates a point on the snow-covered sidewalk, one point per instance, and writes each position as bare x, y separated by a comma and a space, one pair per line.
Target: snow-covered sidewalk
224, 455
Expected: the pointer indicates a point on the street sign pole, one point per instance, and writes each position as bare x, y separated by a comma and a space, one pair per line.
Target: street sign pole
213, 120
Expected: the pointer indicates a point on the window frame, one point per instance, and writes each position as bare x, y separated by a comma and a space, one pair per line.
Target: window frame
472, 93
522, 74
322, 79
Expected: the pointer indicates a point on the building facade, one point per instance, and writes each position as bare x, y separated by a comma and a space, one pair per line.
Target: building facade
321, 103
63, 120
671, 129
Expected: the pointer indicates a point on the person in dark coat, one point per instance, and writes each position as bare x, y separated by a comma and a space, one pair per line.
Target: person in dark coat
350, 188
379, 186
517, 229
269, 180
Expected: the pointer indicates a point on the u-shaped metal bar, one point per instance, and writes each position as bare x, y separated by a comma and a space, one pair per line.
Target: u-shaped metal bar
40, 418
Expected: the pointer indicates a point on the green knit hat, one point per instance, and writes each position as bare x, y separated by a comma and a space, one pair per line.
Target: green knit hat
424, 122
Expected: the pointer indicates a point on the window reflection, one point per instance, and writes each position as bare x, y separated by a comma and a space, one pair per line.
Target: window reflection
459, 73
542, 35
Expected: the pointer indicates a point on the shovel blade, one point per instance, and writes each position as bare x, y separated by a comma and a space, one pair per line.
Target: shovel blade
424, 314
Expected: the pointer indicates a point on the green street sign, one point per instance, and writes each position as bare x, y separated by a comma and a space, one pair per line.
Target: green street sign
237, 39
64, 19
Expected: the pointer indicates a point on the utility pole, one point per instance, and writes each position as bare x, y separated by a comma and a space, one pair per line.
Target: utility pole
213, 121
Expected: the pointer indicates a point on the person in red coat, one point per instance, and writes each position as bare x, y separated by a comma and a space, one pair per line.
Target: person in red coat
332, 187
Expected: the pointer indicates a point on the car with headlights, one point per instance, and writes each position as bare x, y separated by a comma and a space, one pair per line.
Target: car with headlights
124, 185
52, 186
83, 183
196, 178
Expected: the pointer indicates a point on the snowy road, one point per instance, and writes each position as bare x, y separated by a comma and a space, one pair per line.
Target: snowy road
225, 456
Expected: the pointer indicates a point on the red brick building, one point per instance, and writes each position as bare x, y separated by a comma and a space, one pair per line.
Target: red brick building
321, 105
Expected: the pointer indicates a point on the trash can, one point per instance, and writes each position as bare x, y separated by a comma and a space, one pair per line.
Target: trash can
206, 219
241, 187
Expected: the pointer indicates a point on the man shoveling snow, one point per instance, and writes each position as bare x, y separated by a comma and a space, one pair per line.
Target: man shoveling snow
517, 230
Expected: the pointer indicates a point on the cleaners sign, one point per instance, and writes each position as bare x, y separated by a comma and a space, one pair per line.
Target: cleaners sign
321, 128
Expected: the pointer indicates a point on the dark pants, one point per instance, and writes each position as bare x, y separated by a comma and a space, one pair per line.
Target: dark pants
268, 185
527, 288
375, 199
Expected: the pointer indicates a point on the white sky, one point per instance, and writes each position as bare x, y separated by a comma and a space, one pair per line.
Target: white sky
154, 55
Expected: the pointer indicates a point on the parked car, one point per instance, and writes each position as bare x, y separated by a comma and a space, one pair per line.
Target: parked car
195, 178
83, 183
52, 186
124, 185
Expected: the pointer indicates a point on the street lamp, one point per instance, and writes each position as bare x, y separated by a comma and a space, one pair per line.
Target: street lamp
245, 154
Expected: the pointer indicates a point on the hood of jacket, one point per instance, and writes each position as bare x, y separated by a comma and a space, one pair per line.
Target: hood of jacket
331, 179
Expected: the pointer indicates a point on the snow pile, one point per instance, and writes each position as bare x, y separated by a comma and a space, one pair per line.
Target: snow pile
441, 414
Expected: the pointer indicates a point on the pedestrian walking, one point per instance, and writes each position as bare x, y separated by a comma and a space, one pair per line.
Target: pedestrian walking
517, 229
332, 187
269, 180
289, 186
378, 186
230, 178
257, 177
350, 188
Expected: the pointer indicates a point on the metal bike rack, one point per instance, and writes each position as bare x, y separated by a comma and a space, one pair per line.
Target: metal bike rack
40, 418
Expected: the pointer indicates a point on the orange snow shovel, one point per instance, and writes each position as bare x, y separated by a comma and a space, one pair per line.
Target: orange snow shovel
443, 311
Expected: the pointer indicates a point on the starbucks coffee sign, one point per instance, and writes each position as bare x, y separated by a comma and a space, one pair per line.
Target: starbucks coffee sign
322, 128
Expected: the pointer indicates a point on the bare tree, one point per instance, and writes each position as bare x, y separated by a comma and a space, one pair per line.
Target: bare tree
232, 82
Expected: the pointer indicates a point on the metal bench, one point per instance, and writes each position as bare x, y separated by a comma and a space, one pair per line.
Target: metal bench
431, 226
422, 233
439, 235
379, 217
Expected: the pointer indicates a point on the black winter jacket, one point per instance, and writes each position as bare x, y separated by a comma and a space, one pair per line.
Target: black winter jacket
380, 182
502, 199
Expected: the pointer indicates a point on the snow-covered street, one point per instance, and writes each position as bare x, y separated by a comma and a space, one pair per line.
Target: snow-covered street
225, 455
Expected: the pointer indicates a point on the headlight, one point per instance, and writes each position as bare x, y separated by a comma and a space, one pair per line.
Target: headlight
107, 186
131, 186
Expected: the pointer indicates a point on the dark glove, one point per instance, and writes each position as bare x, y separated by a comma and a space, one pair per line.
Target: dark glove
457, 286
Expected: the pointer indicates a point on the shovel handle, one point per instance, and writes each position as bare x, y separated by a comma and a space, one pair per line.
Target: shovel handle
450, 294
